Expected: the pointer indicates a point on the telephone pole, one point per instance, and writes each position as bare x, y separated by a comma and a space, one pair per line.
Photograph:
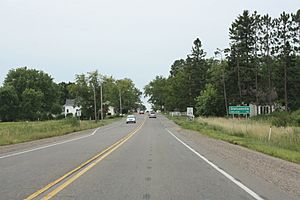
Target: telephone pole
101, 101
95, 105
120, 101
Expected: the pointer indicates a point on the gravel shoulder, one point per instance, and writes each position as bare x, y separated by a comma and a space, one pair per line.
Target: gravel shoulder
240, 161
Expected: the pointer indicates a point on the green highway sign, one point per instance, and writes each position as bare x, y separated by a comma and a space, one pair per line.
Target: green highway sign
239, 110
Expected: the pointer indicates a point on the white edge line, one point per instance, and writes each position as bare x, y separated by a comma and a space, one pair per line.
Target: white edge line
231, 178
55, 144
50, 145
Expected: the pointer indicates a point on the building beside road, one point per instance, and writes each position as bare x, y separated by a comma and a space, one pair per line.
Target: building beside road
111, 111
71, 108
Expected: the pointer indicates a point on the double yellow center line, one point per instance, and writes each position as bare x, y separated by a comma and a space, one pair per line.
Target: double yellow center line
71, 176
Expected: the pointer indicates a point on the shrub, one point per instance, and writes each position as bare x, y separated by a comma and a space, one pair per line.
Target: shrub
60, 116
262, 118
209, 103
295, 116
281, 119
73, 121
69, 115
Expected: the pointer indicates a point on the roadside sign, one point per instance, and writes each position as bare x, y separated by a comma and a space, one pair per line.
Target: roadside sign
78, 113
189, 111
239, 110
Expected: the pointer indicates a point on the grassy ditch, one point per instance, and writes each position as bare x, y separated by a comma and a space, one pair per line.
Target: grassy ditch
283, 143
17, 132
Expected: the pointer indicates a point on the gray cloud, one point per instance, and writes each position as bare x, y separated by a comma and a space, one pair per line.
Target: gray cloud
134, 38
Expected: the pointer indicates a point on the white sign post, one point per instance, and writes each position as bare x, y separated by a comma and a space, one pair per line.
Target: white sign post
78, 113
190, 112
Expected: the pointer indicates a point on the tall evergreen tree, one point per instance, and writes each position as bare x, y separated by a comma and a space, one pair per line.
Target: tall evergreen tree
196, 69
266, 41
284, 49
242, 36
177, 66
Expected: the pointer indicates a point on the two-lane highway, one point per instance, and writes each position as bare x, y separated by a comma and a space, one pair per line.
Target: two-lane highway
153, 165
138, 161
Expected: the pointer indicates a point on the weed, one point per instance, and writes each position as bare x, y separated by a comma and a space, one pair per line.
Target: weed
17, 132
253, 134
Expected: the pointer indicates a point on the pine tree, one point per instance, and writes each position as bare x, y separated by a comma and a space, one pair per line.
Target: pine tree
242, 36
196, 70
284, 48
266, 38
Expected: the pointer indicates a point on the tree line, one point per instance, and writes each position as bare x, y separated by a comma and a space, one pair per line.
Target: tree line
30, 94
261, 66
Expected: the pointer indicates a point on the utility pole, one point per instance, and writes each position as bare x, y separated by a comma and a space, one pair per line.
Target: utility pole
101, 101
120, 101
95, 106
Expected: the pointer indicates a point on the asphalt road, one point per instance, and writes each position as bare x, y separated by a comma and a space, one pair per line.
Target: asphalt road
152, 161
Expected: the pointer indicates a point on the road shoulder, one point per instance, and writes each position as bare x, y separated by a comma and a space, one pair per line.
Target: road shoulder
242, 162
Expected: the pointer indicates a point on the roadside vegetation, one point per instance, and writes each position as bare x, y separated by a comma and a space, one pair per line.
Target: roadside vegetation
32, 95
284, 141
260, 66
18, 132
32, 104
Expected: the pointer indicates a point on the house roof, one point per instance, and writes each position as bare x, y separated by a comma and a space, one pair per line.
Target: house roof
70, 102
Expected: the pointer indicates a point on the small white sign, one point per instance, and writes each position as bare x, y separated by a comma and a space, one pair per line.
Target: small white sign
190, 111
78, 113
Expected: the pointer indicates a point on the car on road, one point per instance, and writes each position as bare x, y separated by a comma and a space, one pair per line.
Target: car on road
130, 119
152, 114
142, 112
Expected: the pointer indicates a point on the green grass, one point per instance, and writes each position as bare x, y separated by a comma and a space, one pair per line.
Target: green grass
285, 146
18, 132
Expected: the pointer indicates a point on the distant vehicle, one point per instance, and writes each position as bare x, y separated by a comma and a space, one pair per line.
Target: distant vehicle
152, 114
130, 119
142, 112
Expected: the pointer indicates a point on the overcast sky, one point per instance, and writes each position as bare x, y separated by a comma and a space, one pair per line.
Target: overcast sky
138, 39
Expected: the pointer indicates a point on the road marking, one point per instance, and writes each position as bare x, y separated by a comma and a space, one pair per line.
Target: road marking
86, 166
231, 178
54, 144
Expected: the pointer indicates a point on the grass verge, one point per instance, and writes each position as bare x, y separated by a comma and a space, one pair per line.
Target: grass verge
18, 132
287, 148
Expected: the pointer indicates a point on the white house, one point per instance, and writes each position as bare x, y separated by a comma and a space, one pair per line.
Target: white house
70, 107
111, 111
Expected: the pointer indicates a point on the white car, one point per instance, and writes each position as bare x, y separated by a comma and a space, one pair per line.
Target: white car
152, 114
130, 119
